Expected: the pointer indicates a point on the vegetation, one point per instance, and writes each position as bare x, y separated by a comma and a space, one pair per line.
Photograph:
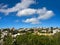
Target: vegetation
29, 39
8, 40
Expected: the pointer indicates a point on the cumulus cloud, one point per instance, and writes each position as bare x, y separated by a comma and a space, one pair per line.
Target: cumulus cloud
26, 12
47, 15
32, 21
3, 6
19, 6
42, 14
23, 9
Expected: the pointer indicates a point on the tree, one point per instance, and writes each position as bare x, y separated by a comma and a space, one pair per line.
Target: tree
8, 40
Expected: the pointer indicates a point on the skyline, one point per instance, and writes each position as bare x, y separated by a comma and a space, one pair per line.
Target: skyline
29, 13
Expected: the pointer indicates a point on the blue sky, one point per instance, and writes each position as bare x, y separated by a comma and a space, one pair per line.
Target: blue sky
29, 13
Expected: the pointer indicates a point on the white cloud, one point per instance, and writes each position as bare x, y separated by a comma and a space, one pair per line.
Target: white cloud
26, 12
3, 6
44, 13
23, 9
47, 15
32, 21
41, 11
23, 5
29, 11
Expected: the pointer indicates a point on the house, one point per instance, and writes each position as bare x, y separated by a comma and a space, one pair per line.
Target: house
55, 31
43, 31
21, 29
35, 30
14, 36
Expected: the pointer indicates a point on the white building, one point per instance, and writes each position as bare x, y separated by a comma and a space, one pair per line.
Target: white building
55, 31
15, 35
